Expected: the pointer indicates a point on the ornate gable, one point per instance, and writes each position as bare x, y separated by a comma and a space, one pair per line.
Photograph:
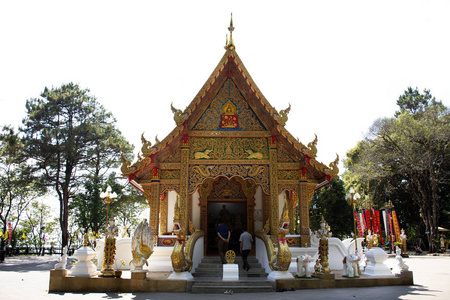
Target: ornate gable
229, 110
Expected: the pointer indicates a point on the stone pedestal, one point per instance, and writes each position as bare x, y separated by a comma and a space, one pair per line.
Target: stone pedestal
58, 273
279, 275
139, 275
180, 276
326, 276
376, 266
230, 272
84, 267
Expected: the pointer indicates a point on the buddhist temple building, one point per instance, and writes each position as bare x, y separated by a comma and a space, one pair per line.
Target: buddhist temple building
229, 157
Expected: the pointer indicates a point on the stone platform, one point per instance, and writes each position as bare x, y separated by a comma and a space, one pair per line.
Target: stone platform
158, 282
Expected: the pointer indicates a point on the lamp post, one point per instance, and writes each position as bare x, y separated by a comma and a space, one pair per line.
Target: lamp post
107, 198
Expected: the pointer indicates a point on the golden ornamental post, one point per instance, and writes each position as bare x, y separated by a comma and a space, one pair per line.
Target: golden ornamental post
109, 250
353, 199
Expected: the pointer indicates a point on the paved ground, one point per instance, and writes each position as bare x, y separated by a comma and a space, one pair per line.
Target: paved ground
27, 277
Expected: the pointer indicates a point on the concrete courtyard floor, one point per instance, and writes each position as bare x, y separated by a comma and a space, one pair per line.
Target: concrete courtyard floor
27, 277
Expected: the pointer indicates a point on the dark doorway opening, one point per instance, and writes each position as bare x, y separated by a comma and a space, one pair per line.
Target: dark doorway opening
234, 215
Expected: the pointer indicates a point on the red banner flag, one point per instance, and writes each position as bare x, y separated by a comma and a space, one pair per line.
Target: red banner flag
368, 222
377, 224
10, 231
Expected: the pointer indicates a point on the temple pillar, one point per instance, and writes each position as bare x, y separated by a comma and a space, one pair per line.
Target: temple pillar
292, 204
184, 185
163, 208
151, 192
306, 192
273, 175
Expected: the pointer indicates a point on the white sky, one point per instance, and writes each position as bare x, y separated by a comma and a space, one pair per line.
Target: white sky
341, 64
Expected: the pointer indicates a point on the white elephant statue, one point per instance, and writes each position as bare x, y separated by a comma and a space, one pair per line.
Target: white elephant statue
303, 268
350, 265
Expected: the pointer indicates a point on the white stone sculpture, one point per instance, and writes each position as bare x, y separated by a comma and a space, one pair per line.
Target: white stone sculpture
61, 265
84, 267
350, 265
303, 266
400, 264
141, 245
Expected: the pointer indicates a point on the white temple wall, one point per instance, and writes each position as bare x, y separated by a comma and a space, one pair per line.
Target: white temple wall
196, 209
172, 198
258, 214
280, 205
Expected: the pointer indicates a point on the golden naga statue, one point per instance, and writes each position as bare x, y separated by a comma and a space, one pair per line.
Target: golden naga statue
178, 115
126, 168
183, 250
282, 116
311, 151
141, 245
281, 260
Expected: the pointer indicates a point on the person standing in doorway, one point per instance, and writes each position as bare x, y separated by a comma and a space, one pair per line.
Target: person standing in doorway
245, 240
223, 232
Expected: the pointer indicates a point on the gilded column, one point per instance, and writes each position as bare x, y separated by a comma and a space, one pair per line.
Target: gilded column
306, 193
164, 206
184, 184
273, 169
153, 198
291, 210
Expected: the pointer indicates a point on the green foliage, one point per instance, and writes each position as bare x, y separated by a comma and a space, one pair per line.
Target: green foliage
90, 212
37, 224
69, 134
406, 159
330, 203
18, 186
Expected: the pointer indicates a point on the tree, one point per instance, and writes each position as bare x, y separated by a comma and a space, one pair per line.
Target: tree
411, 153
330, 203
18, 186
68, 134
37, 225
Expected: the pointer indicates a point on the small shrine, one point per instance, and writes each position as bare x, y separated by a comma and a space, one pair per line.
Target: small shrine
229, 156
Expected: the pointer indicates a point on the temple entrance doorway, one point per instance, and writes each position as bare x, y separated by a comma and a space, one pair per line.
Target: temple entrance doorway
230, 200
233, 215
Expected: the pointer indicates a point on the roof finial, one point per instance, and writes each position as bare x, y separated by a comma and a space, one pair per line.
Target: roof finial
230, 45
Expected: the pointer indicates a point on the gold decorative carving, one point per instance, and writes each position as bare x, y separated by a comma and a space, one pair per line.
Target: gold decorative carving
311, 151
170, 174
202, 155
170, 166
228, 149
163, 208
147, 149
198, 174
254, 155
178, 115
333, 170
306, 193
288, 175
288, 166
282, 116
126, 168
232, 133
229, 93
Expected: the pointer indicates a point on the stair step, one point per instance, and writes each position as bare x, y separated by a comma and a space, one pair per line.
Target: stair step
241, 286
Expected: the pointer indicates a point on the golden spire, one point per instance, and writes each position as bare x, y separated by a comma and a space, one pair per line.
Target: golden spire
229, 42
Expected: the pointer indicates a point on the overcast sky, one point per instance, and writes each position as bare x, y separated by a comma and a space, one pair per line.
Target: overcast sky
341, 64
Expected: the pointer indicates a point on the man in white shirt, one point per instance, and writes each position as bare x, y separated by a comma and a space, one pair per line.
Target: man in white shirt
246, 240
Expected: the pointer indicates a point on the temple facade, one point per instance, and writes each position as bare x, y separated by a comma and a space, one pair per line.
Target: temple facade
229, 157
